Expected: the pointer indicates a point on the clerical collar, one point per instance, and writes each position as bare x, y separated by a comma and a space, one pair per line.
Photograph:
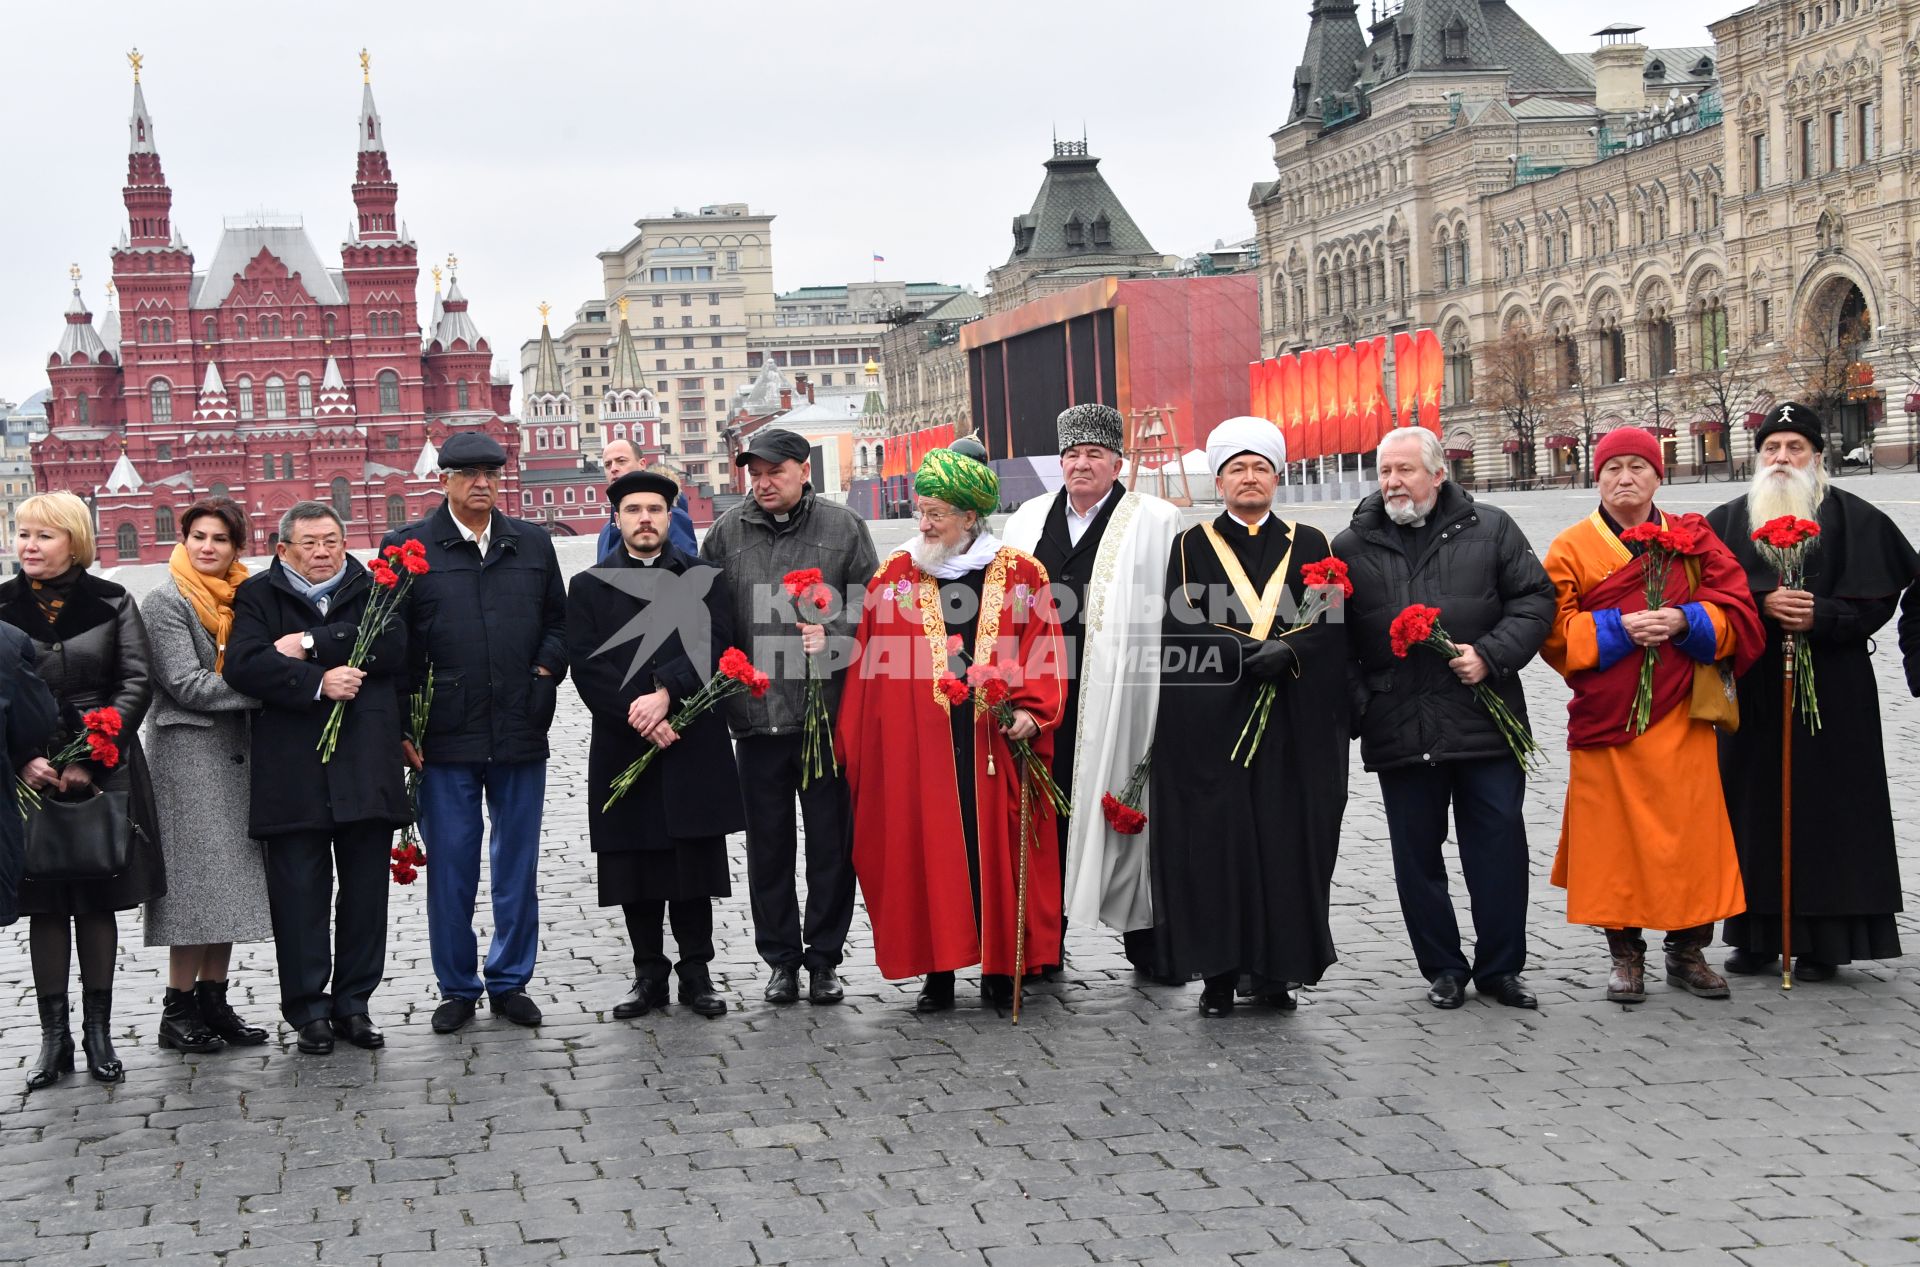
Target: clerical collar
645, 562
1253, 529
782, 517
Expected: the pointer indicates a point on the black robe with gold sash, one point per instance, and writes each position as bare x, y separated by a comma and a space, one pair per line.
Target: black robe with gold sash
1243, 857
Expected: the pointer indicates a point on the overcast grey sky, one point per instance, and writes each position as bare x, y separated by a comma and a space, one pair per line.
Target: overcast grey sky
525, 137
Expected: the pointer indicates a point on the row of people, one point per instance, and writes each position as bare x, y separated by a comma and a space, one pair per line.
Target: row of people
1229, 883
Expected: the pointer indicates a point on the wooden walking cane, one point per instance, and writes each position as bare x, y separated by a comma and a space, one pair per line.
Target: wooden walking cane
1020, 898
1786, 814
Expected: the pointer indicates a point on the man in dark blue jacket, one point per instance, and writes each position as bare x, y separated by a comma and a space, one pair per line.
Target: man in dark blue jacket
619, 457
489, 617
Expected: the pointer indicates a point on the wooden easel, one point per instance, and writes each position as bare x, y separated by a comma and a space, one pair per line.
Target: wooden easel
1150, 439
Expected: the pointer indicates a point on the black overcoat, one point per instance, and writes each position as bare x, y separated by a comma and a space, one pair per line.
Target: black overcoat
293, 791
691, 791
28, 718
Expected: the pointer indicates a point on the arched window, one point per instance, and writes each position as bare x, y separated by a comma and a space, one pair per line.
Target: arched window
389, 392
299, 325
245, 388
140, 330
326, 324
212, 329
160, 400
1458, 370
460, 393
219, 490
396, 512
266, 466
276, 396
546, 496
540, 438
1659, 347
1713, 336
619, 430
303, 388
567, 497
82, 408
239, 327
126, 539
163, 525
342, 498
526, 498
286, 466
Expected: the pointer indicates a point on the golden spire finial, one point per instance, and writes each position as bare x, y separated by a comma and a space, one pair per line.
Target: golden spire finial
545, 308
436, 279
366, 75
73, 271
134, 59
453, 263
109, 292
623, 307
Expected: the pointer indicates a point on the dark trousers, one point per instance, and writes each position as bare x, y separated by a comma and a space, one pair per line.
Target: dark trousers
770, 777
301, 867
1486, 797
692, 935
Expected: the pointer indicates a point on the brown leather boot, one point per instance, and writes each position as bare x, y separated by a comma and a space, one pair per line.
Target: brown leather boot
1627, 983
1687, 963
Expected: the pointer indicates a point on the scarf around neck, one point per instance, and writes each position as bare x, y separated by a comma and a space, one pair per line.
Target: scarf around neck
211, 597
971, 559
315, 592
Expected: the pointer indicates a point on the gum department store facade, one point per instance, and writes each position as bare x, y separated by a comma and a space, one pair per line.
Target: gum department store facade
1656, 221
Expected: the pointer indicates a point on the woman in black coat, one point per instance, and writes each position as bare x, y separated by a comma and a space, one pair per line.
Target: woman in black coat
92, 653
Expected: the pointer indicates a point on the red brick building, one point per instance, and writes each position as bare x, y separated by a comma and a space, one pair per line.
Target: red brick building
266, 375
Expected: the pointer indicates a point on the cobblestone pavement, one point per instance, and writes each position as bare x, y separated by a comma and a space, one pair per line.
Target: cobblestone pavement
1113, 1125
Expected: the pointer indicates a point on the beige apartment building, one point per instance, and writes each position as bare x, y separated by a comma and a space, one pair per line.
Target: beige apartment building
1676, 236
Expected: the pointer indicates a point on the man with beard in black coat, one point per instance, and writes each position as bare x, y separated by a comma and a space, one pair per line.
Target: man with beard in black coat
645, 630
294, 627
1423, 539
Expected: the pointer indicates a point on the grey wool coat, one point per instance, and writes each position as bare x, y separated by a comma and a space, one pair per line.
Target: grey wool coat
196, 739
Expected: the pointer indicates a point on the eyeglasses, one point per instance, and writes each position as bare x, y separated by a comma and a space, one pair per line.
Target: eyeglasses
316, 543
473, 473
937, 516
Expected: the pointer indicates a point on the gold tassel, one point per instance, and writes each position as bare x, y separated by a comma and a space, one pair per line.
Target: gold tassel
989, 763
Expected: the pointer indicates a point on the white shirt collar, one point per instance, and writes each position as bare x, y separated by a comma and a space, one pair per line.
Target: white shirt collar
1261, 523
1077, 523
481, 539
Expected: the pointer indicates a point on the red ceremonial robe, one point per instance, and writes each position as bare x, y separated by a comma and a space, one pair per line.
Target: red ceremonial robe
909, 846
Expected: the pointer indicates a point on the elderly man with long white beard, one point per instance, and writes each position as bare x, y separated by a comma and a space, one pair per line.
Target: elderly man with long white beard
1843, 908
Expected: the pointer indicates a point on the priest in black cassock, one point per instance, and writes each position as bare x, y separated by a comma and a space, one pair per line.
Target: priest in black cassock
1846, 884
640, 645
1243, 854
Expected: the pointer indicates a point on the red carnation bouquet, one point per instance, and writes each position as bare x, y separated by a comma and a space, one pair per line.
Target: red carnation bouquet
993, 686
409, 857
95, 742
1785, 543
806, 587
1663, 546
393, 572
1123, 812
736, 675
1419, 626
1323, 579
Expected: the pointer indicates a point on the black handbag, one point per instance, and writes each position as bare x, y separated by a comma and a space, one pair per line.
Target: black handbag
89, 839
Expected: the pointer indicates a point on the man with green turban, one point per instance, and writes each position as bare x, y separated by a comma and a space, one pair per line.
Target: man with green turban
937, 828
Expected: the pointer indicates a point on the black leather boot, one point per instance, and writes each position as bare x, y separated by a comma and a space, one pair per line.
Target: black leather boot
96, 1035
220, 1017
181, 1027
55, 1060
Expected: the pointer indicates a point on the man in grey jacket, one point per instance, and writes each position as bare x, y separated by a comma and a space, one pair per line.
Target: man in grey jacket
785, 527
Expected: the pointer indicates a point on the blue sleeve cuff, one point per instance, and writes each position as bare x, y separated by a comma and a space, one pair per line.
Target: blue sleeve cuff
1612, 636
1700, 641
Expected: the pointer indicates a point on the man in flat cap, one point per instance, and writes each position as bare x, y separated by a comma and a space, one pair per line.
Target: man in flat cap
489, 618
939, 841
1243, 885
641, 644
1106, 551
1844, 908
786, 527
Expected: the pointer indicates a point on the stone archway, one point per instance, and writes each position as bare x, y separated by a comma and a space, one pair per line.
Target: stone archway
1838, 325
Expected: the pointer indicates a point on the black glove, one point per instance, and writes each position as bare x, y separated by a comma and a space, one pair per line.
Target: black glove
1268, 660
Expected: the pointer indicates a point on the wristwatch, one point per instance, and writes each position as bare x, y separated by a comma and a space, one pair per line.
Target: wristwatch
306, 641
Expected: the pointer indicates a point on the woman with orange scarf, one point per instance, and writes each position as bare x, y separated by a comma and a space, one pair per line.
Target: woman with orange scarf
196, 744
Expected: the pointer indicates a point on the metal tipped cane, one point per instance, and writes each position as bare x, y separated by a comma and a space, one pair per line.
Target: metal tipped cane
1020, 895
1786, 814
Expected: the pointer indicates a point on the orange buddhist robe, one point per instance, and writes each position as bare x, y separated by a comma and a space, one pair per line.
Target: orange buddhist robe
1644, 837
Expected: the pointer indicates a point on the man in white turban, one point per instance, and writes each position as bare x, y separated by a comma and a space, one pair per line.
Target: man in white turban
1242, 886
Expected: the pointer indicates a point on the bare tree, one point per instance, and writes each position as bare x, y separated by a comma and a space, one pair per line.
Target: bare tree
1658, 401
1579, 415
1513, 384
1827, 360
1732, 384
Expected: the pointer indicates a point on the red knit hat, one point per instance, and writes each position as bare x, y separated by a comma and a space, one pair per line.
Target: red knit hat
1629, 442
